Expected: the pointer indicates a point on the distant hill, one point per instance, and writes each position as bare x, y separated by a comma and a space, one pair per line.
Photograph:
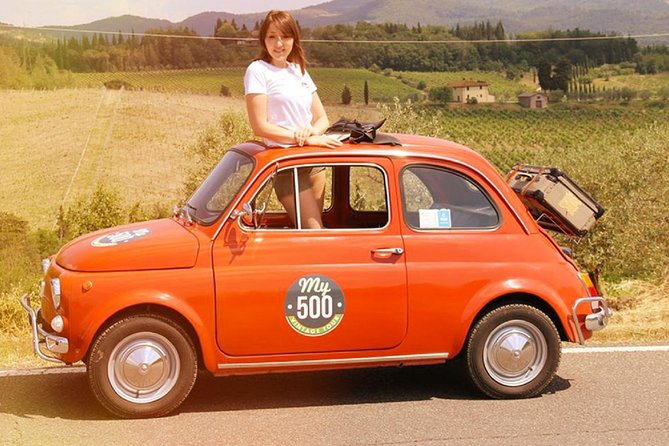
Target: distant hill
125, 23
620, 16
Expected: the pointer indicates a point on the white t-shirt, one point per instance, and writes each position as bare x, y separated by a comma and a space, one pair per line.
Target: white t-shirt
288, 91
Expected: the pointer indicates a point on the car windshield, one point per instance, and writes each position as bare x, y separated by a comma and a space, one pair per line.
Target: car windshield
222, 185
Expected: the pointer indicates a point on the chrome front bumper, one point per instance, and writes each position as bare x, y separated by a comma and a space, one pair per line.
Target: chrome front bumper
52, 344
595, 321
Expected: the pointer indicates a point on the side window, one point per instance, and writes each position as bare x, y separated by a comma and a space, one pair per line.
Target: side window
367, 189
329, 197
436, 198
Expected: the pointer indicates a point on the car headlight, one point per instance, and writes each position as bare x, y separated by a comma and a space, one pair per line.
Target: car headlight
55, 292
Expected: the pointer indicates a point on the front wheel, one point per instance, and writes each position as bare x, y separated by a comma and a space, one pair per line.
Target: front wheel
142, 366
513, 352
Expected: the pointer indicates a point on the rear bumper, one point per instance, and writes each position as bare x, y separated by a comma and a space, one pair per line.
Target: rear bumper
45, 345
595, 321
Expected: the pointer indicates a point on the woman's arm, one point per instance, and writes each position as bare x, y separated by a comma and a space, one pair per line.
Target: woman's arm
256, 107
320, 122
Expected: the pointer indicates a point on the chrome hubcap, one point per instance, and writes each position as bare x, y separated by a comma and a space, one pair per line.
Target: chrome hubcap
143, 367
515, 353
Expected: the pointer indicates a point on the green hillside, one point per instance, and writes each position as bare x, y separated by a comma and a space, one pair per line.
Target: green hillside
330, 82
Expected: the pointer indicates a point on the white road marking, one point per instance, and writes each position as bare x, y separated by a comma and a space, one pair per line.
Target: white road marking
638, 348
568, 350
42, 371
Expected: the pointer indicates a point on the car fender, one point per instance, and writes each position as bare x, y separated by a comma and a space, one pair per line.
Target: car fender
500, 291
133, 302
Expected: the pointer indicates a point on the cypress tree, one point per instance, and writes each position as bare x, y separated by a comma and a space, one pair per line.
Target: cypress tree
366, 93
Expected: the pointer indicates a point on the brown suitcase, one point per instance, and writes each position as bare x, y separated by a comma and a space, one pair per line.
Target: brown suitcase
555, 201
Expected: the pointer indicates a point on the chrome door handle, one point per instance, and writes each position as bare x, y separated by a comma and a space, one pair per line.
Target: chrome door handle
397, 251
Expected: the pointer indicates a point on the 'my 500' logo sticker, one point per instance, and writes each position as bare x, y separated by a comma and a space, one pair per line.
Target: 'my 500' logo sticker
119, 238
314, 305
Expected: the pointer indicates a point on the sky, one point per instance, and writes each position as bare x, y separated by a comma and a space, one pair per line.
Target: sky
77, 12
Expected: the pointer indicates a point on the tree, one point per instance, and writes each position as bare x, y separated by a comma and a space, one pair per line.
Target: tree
226, 31
544, 73
346, 95
562, 74
366, 93
440, 94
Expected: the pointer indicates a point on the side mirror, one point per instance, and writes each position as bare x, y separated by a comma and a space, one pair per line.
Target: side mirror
249, 216
246, 210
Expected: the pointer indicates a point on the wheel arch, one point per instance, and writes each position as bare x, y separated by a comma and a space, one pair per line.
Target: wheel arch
524, 298
151, 309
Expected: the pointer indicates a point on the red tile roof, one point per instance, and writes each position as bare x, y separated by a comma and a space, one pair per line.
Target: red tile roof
462, 84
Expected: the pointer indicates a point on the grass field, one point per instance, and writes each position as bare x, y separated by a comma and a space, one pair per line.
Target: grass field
638, 82
503, 89
70, 141
330, 82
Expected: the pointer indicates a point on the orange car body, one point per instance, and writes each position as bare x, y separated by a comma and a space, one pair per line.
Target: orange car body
411, 295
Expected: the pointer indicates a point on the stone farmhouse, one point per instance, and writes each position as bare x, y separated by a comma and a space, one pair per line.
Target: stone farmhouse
468, 90
533, 100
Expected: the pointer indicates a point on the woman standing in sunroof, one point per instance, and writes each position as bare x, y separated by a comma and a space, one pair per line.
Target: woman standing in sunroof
285, 110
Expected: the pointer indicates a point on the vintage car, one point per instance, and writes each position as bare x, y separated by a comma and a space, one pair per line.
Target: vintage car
425, 254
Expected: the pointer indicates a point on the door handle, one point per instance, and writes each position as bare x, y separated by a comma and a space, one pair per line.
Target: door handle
388, 251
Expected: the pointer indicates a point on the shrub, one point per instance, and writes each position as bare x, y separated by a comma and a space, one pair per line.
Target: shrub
555, 96
101, 210
346, 96
663, 93
421, 85
627, 94
117, 84
645, 95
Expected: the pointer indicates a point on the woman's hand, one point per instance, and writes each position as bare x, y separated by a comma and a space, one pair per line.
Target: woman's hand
302, 134
324, 141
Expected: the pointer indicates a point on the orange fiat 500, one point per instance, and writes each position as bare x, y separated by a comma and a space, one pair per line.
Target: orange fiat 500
425, 254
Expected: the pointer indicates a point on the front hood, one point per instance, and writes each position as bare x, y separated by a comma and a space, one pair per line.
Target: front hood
157, 244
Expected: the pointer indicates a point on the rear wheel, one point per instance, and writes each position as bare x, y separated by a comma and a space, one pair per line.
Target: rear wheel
142, 366
513, 352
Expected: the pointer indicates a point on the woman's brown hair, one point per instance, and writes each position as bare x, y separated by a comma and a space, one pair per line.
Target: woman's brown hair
288, 27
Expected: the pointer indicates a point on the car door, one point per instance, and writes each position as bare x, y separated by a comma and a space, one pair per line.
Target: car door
281, 289
458, 239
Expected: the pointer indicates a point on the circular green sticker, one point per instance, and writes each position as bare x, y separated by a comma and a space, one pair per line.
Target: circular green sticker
314, 305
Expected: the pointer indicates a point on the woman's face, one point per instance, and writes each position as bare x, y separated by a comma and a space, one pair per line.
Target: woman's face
278, 45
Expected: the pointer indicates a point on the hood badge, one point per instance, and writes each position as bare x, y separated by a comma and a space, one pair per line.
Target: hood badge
119, 238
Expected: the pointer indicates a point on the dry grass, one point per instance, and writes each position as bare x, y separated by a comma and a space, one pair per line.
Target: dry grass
641, 312
130, 140
16, 351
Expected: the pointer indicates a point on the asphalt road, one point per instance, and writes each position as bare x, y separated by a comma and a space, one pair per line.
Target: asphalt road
598, 398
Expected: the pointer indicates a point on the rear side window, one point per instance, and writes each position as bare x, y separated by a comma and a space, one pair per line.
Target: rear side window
437, 198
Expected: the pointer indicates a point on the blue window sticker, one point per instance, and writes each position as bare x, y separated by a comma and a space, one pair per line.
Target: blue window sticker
444, 218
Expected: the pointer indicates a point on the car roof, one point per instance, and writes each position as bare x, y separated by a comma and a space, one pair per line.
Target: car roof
412, 146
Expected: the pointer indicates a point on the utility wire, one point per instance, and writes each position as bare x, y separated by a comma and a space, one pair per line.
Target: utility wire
422, 42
